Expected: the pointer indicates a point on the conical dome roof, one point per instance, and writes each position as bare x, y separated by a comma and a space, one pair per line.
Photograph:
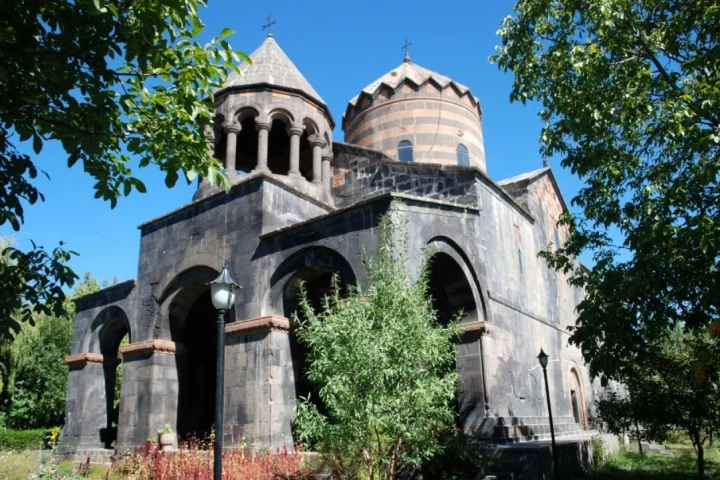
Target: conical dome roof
409, 71
272, 66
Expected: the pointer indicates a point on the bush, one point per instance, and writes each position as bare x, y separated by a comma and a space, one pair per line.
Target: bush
24, 439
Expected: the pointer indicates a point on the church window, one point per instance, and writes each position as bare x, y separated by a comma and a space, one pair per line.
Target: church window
520, 260
405, 151
463, 157
557, 239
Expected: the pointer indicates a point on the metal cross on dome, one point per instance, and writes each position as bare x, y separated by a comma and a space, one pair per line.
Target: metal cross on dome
406, 47
270, 23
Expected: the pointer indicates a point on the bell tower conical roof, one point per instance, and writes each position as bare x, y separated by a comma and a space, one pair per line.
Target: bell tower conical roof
272, 66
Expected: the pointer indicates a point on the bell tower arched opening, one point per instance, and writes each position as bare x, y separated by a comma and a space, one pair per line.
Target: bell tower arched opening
247, 146
279, 148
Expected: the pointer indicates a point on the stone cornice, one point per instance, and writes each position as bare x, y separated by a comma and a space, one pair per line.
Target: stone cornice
267, 323
152, 346
84, 358
481, 326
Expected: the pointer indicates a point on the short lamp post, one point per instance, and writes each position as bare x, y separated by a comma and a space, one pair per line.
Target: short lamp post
543, 359
223, 296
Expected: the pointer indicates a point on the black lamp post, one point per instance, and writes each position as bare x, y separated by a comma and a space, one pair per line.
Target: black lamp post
543, 359
221, 291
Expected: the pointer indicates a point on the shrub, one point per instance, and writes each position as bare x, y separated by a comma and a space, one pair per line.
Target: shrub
149, 463
24, 439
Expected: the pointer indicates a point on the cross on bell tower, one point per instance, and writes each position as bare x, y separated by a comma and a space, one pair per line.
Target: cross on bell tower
406, 47
270, 22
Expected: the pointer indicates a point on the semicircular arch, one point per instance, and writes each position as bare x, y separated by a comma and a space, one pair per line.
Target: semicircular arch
304, 265
107, 330
442, 244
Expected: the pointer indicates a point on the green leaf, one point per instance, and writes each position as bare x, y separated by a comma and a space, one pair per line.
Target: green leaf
37, 143
226, 32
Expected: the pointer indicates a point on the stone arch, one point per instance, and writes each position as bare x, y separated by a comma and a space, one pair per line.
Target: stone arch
310, 126
246, 150
307, 264
576, 390
245, 111
109, 328
314, 266
279, 141
188, 318
189, 262
449, 247
179, 295
283, 115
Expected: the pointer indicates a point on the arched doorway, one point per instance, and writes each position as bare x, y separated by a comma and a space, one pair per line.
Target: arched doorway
193, 328
313, 268
577, 398
114, 332
450, 289
451, 294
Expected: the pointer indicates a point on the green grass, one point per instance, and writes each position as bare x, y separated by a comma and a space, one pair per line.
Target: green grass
681, 464
19, 466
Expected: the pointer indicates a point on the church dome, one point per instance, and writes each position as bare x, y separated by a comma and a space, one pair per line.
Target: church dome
415, 114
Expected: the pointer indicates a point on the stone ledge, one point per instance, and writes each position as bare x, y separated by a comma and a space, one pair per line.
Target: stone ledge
152, 346
84, 358
483, 327
270, 323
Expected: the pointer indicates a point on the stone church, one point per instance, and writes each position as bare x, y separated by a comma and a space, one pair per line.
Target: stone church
303, 207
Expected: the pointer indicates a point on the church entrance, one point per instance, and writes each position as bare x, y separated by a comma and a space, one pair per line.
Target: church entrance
197, 369
451, 294
449, 289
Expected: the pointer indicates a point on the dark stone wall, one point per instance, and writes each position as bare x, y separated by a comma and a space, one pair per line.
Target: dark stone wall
267, 231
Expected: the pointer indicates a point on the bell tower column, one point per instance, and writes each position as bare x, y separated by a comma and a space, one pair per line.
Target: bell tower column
326, 158
317, 144
294, 133
231, 131
263, 129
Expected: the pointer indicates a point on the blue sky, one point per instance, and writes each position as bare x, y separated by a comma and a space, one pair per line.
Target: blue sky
340, 47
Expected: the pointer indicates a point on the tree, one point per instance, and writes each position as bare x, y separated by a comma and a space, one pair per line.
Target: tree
34, 374
118, 84
383, 367
673, 385
630, 93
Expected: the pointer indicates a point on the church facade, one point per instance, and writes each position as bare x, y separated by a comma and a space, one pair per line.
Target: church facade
301, 209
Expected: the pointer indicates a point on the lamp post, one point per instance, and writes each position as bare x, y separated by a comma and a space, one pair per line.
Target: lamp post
543, 359
221, 292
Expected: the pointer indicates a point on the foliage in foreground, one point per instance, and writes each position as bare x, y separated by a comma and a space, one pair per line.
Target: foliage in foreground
33, 374
383, 367
671, 386
630, 93
19, 440
113, 82
147, 463
679, 464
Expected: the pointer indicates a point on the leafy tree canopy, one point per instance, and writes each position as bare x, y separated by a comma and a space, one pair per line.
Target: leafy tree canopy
119, 84
630, 94
673, 385
33, 375
383, 367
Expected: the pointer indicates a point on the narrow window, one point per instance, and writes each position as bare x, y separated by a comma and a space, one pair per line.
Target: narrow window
405, 151
557, 239
463, 157
520, 260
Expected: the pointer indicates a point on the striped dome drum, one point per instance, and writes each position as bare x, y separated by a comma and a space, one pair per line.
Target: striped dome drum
415, 114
